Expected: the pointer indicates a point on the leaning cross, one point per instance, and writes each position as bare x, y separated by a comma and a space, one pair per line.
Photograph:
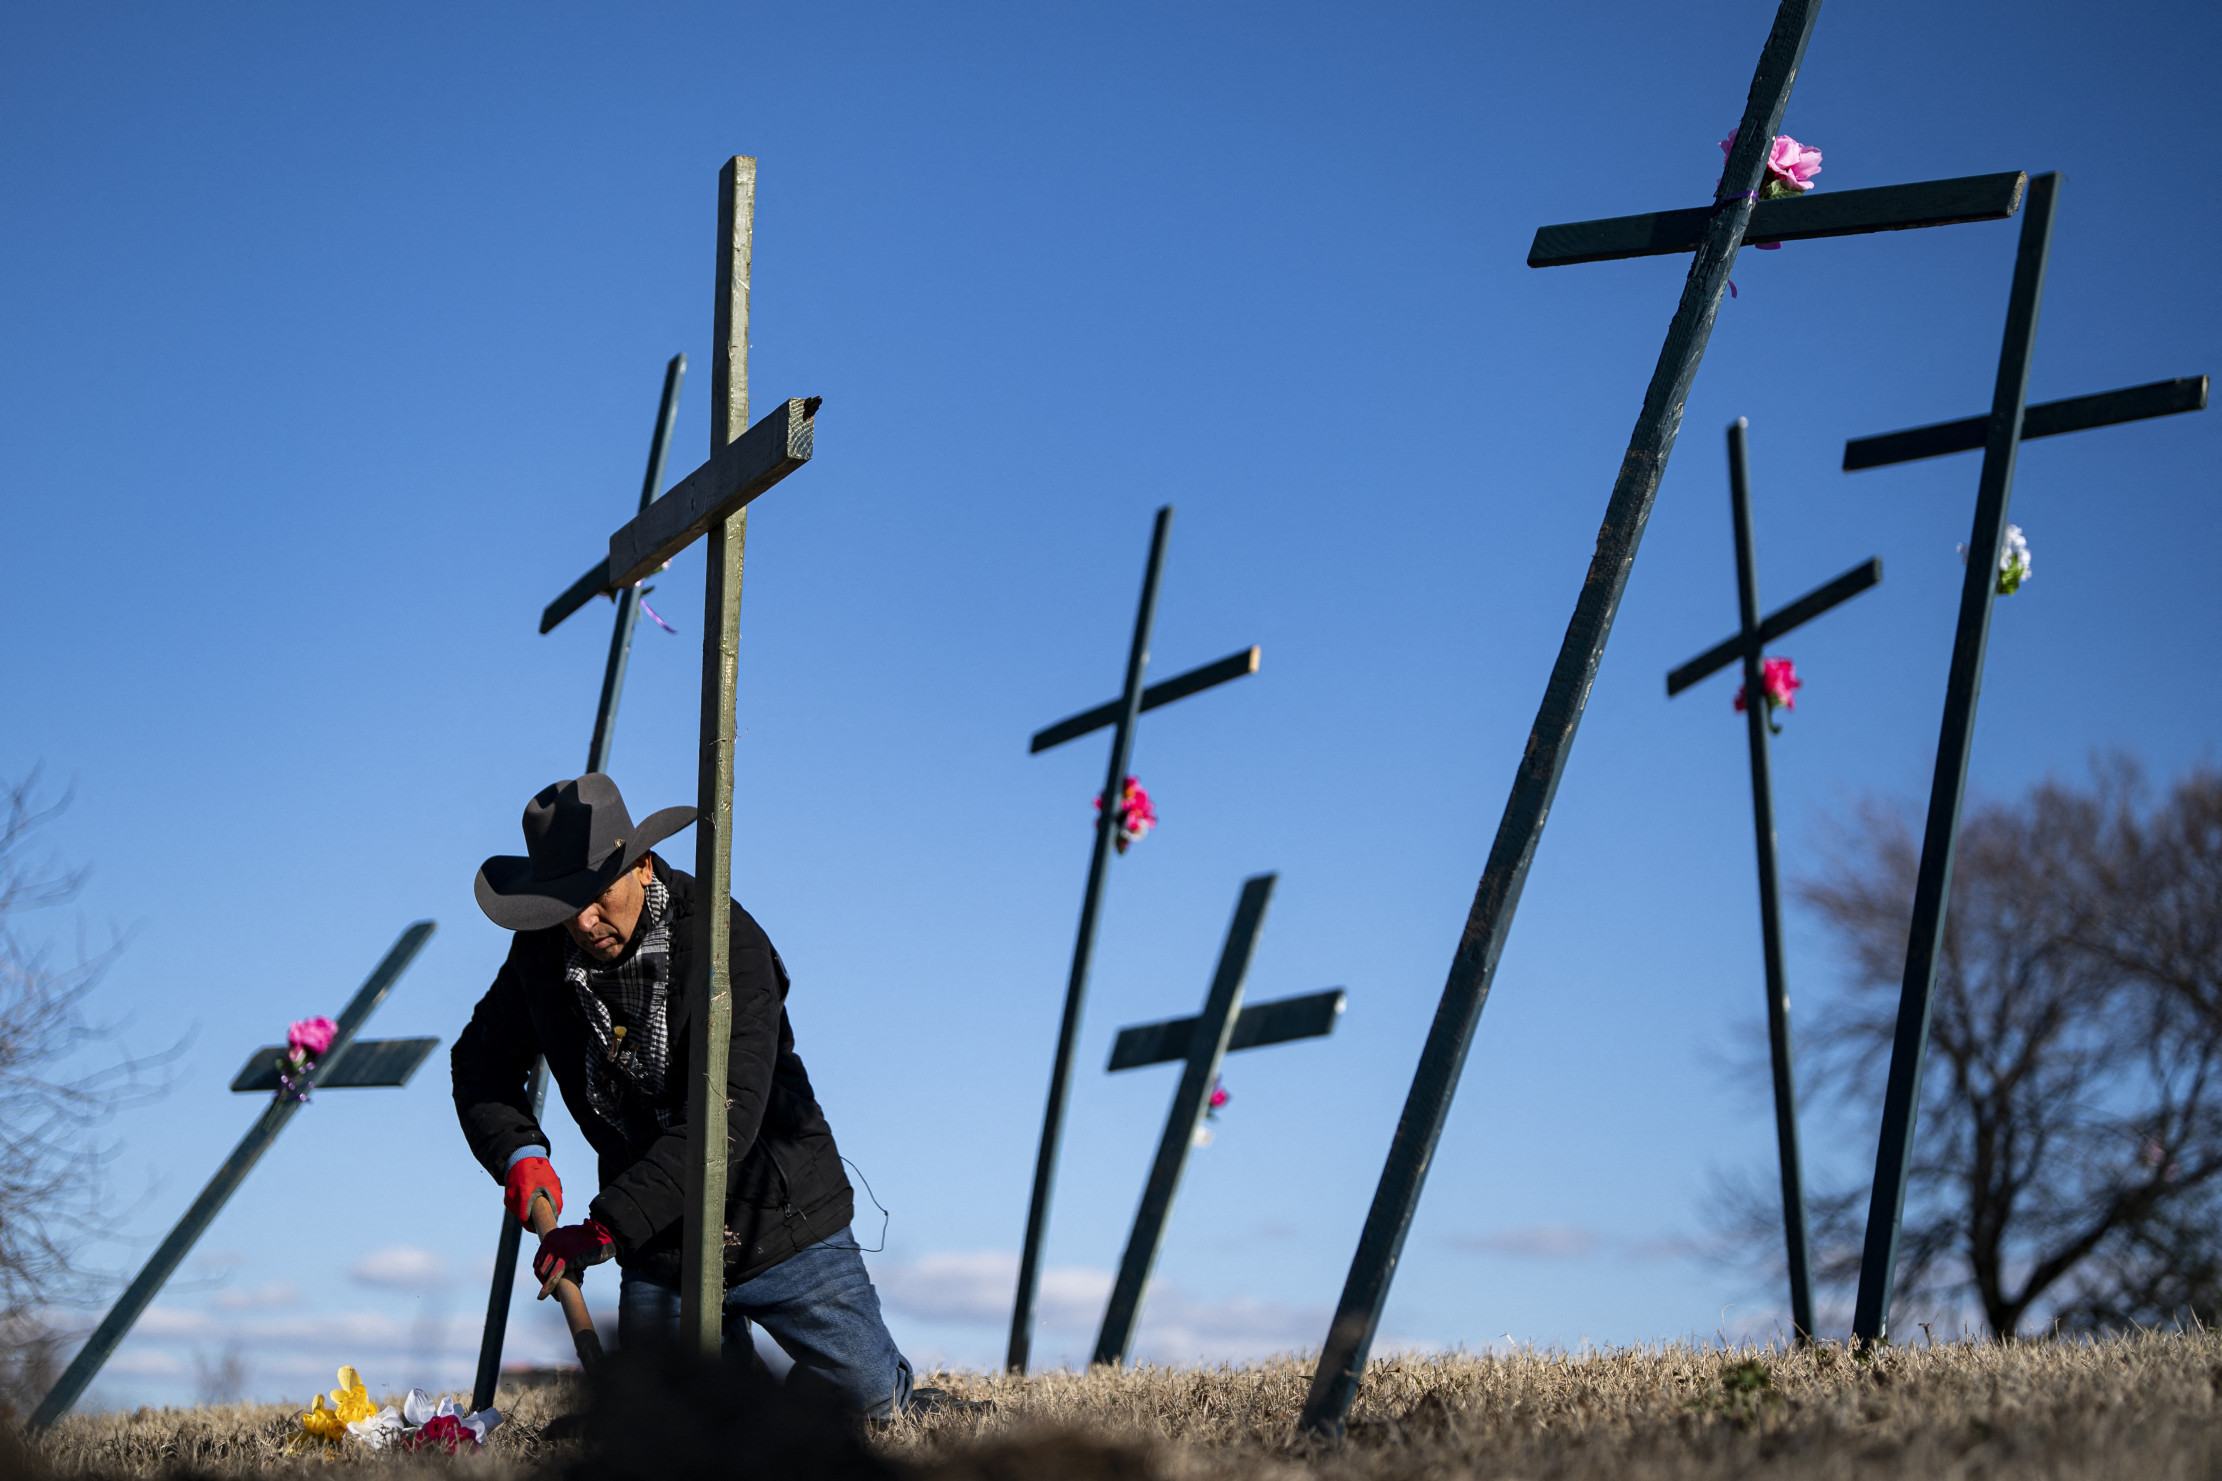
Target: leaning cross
711, 504
597, 759
1199, 1044
1122, 715
1749, 644
2010, 421
1714, 232
346, 1064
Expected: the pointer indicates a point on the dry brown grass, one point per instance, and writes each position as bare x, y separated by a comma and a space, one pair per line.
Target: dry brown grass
2145, 1406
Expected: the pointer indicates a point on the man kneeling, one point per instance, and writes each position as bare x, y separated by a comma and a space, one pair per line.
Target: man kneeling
602, 979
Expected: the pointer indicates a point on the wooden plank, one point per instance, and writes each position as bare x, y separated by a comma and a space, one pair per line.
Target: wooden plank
1839, 213
1260, 1025
2045, 419
1776, 624
1419, 1126
593, 584
702, 1237
1932, 887
1206, 1047
366, 1064
1180, 686
719, 489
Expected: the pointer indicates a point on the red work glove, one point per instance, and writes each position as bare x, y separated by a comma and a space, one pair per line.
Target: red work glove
530, 1176
569, 1250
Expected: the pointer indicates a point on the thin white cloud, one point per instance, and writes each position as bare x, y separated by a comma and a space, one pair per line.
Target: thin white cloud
400, 1267
1535, 1242
277, 1293
146, 1363
976, 1287
173, 1321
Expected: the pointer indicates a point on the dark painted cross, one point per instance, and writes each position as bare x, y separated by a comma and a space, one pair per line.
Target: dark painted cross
711, 504
347, 1064
1713, 231
2000, 434
1198, 1045
627, 603
1746, 648
1122, 715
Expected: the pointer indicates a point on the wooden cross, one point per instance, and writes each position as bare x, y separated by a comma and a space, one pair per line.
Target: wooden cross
711, 504
2010, 421
1713, 232
1199, 1044
1748, 646
627, 602
345, 1064
1122, 715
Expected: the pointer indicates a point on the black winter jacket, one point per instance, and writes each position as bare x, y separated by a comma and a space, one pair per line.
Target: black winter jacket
785, 1189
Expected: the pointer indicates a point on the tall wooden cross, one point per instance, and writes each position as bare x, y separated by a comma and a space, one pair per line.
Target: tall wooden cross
1198, 1044
627, 603
2002, 433
1713, 231
1749, 645
346, 1064
1121, 715
711, 504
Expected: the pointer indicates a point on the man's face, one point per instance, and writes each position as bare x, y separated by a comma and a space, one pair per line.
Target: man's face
603, 929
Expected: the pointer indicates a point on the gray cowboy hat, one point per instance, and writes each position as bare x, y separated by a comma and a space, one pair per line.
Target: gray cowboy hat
578, 839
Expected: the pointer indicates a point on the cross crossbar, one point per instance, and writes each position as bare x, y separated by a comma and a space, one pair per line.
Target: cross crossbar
1784, 619
719, 489
366, 1064
1840, 213
1281, 1021
2045, 419
1195, 681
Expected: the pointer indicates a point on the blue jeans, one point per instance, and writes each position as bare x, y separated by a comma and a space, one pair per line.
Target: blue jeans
818, 1305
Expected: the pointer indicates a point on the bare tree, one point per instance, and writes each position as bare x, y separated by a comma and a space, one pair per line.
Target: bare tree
2068, 1156
51, 1100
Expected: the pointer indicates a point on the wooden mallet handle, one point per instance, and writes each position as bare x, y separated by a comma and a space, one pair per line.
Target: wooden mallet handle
567, 1293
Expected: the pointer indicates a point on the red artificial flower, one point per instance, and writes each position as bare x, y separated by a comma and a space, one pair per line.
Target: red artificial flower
441, 1432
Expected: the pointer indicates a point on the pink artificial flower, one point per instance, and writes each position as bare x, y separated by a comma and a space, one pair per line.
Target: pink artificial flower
1790, 165
1779, 682
1136, 815
1779, 677
312, 1036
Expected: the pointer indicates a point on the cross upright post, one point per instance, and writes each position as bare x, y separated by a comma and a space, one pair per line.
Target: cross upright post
627, 601
1121, 715
2010, 422
710, 504
1199, 1044
1749, 645
1713, 232
345, 1063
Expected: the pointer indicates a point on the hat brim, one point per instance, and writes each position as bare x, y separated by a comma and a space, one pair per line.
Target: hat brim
516, 901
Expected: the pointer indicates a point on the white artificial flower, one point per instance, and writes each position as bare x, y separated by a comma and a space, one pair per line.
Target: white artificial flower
387, 1424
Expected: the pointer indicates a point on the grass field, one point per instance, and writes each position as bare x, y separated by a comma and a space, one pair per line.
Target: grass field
2146, 1406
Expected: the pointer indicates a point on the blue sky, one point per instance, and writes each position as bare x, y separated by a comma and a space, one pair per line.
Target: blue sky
333, 339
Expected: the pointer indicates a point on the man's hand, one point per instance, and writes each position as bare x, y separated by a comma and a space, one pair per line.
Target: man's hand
531, 1176
568, 1251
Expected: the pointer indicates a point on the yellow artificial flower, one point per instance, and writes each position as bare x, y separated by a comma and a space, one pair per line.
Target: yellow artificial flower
323, 1424
351, 1399
350, 1402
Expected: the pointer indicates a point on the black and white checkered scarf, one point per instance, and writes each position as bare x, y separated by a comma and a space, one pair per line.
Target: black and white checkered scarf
628, 1047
